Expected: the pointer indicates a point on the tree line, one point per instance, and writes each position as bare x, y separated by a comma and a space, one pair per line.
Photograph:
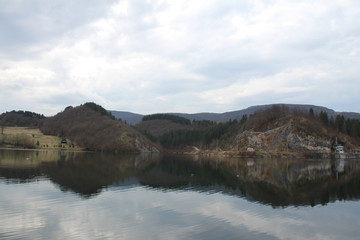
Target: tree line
170, 117
180, 137
20, 118
29, 114
349, 126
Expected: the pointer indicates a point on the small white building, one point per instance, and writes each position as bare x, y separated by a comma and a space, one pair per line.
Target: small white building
249, 149
339, 149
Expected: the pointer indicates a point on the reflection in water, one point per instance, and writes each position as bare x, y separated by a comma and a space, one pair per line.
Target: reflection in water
82, 172
275, 182
108, 196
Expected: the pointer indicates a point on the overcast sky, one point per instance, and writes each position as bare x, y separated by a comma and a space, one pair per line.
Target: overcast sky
148, 56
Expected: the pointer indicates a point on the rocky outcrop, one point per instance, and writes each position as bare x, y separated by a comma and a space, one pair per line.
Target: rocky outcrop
307, 143
145, 147
281, 139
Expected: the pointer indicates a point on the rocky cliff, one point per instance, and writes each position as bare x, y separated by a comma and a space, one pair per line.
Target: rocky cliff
281, 139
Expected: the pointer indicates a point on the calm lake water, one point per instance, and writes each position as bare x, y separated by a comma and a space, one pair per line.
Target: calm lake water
67, 195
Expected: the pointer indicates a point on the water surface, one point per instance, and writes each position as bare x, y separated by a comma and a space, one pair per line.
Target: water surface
67, 195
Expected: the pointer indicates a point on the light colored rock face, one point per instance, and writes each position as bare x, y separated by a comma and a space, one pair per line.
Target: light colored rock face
308, 143
281, 139
143, 147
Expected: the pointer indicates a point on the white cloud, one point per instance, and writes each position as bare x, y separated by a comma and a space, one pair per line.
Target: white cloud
294, 81
145, 56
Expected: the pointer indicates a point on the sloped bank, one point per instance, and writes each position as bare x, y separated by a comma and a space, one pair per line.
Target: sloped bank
91, 127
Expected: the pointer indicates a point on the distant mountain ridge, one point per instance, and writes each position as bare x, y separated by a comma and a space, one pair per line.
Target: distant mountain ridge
128, 117
135, 118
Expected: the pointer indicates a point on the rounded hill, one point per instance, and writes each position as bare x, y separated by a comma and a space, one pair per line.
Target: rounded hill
95, 129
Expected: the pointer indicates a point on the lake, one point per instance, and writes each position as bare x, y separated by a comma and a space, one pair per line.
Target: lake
83, 195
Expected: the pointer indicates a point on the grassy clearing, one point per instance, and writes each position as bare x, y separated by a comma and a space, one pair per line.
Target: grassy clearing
32, 138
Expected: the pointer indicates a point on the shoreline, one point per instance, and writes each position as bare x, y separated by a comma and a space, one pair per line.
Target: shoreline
42, 149
245, 154
212, 153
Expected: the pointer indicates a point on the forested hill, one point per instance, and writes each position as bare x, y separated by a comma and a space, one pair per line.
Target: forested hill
266, 128
274, 129
93, 128
134, 118
21, 118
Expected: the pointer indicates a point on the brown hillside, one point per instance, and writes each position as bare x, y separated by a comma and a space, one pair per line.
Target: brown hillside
94, 131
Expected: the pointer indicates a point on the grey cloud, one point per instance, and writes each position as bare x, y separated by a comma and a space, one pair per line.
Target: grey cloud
66, 99
25, 24
235, 69
179, 57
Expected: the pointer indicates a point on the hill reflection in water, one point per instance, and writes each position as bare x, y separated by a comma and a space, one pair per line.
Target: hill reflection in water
275, 182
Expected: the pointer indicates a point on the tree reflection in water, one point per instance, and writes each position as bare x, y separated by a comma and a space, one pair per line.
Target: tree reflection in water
276, 182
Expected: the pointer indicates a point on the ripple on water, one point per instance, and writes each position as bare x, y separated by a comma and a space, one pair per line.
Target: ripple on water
11, 236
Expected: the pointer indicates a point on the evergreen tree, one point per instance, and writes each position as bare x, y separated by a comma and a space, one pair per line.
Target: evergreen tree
340, 123
348, 126
324, 118
311, 112
243, 119
355, 129
332, 122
